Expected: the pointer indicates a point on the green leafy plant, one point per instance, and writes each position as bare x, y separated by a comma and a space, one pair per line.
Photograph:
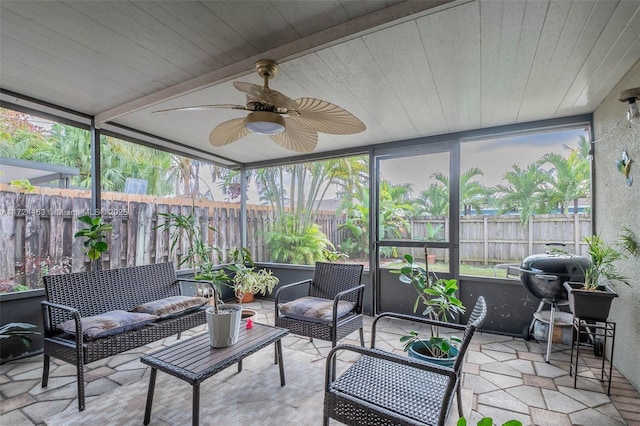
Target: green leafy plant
254, 281
22, 330
603, 257
440, 303
23, 184
434, 231
287, 243
95, 234
333, 256
246, 278
488, 421
198, 255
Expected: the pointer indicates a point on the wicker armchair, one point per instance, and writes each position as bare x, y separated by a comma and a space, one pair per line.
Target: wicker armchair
334, 282
382, 388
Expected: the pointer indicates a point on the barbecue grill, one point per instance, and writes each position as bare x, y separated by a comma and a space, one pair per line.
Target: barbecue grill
543, 275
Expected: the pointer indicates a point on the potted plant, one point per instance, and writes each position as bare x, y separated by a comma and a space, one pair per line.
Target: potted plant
94, 244
247, 280
440, 303
21, 330
198, 255
223, 324
592, 299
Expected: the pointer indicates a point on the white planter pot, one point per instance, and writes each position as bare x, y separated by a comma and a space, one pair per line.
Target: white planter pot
224, 327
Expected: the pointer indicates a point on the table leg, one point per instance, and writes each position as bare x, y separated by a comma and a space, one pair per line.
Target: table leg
280, 361
152, 386
195, 416
239, 366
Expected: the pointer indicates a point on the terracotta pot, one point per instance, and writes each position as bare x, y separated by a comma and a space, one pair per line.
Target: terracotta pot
246, 298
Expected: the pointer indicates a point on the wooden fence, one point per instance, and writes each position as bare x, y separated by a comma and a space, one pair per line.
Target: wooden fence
490, 240
37, 228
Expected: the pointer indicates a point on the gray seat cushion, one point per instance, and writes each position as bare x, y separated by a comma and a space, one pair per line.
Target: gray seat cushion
108, 324
314, 309
170, 306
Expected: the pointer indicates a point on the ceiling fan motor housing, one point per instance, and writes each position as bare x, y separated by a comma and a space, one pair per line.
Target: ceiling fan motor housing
265, 123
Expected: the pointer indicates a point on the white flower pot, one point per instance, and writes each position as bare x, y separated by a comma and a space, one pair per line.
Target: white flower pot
224, 327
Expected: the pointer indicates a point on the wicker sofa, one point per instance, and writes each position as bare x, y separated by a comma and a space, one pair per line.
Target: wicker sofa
79, 295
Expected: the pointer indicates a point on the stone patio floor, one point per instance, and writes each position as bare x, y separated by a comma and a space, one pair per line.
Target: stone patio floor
505, 378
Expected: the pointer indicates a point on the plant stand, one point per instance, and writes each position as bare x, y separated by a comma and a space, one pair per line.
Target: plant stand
595, 331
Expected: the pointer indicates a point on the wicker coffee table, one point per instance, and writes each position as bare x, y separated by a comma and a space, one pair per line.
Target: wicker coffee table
194, 360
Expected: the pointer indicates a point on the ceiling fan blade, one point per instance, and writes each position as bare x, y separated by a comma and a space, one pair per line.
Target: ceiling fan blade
227, 132
296, 138
203, 107
265, 95
325, 117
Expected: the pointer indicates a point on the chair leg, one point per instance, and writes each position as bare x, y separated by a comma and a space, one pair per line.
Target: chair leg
275, 354
45, 370
325, 421
459, 399
362, 337
80, 379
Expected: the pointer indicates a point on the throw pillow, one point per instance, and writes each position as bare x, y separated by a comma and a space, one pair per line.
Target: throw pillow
171, 306
314, 308
108, 324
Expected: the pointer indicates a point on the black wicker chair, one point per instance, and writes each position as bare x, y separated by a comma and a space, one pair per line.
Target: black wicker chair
382, 388
335, 282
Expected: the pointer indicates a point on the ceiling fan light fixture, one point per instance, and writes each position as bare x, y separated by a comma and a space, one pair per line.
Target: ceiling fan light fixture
265, 123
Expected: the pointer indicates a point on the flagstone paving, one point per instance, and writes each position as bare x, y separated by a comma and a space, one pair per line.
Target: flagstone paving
505, 378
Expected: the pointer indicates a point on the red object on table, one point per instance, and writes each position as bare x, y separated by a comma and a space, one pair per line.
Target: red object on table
249, 323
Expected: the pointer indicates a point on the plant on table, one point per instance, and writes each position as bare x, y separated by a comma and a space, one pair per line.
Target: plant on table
437, 296
190, 230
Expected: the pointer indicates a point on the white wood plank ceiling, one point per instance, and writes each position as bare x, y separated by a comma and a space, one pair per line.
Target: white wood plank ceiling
405, 68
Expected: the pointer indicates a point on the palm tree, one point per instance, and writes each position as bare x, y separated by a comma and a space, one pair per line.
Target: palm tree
435, 200
524, 191
69, 146
19, 138
473, 194
569, 177
295, 193
396, 208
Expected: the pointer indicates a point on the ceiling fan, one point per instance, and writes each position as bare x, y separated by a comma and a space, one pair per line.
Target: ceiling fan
292, 124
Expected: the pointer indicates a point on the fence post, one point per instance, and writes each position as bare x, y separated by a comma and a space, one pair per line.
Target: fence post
485, 233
